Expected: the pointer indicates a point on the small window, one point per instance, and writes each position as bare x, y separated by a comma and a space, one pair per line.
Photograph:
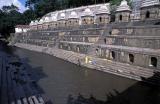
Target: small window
100, 19
153, 62
120, 17
105, 40
131, 58
113, 55
147, 14
84, 20
91, 20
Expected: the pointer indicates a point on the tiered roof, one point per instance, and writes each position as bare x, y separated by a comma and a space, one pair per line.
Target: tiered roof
123, 6
73, 15
103, 10
146, 3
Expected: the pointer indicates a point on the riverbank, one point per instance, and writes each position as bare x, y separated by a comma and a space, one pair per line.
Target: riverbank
120, 69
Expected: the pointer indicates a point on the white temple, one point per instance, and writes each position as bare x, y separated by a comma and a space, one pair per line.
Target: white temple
95, 14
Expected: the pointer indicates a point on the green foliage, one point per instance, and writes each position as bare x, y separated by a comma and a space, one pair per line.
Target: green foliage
10, 17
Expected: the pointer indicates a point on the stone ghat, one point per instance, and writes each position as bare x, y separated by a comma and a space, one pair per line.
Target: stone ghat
16, 84
117, 68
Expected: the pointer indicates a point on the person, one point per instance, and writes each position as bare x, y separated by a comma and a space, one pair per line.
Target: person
79, 62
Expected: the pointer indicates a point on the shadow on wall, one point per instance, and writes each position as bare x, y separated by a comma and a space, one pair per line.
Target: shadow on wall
143, 92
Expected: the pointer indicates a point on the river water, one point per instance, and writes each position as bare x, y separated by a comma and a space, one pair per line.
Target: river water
59, 80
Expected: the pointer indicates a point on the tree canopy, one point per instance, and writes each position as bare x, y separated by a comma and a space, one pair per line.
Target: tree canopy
10, 17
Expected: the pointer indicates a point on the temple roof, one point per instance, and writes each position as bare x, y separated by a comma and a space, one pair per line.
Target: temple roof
90, 10
32, 23
54, 17
73, 15
47, 19
103, 9
62, 16
87, 12
41, 21
36, 22
123, 6
146, 3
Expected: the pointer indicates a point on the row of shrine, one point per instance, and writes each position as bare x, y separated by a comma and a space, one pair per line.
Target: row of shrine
97, 14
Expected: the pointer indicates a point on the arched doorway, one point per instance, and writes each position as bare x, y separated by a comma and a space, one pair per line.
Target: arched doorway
153, 61
131, 58
105, 40
100, 19
113, 55
120, 17
147, 14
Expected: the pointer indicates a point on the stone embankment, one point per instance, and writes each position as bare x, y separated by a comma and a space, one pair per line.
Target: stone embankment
121, 69
16, 83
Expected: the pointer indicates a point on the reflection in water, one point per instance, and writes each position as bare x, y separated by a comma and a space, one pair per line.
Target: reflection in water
144, 92
66, 83
86, 73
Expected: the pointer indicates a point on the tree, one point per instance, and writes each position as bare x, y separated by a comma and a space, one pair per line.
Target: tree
7, 9
28, 15
9, 17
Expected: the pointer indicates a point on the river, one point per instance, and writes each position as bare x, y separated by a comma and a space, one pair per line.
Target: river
60, 80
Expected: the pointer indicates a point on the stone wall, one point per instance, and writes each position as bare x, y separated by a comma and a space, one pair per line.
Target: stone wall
139, 58
120, 42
